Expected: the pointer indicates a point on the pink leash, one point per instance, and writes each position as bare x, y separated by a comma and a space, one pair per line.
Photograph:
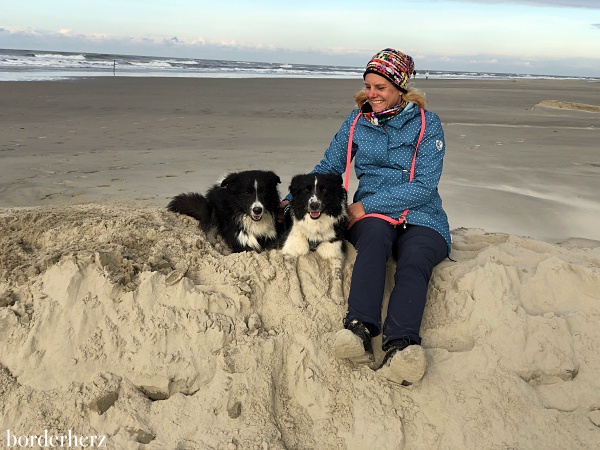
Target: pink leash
402, 218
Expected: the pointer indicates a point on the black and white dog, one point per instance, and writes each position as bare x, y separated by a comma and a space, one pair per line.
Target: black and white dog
318, 209
242, 209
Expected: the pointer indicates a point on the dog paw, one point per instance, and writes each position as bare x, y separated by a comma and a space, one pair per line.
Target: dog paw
290, 260
294, 251
330, 250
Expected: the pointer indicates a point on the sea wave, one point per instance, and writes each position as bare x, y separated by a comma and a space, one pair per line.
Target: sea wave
59, 56
17, 65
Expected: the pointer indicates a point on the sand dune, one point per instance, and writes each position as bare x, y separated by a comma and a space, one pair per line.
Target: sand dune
128, 323
568, 105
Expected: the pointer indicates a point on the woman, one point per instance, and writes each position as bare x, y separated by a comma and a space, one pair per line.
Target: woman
384, 139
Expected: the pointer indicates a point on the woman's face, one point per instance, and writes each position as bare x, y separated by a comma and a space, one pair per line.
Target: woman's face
381, 94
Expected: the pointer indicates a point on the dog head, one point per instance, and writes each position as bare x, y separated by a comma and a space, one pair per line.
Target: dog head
255, 191
315, 194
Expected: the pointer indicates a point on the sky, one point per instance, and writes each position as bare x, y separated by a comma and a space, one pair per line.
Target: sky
546, 37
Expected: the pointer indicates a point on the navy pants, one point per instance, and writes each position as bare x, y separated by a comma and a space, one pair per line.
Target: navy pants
417, 251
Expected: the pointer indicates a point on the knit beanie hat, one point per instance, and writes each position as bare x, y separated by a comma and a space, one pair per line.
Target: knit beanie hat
394, 66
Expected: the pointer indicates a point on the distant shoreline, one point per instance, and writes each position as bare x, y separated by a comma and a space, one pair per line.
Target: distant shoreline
33, 65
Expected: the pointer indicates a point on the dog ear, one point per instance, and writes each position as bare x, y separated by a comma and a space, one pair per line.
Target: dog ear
335, 179
229, 179
296, 183
274, 178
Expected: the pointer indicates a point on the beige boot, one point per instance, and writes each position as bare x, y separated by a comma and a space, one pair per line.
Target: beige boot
404, 366
353, 343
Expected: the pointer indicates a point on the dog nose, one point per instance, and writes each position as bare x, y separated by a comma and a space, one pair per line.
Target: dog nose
257, 210
314, 205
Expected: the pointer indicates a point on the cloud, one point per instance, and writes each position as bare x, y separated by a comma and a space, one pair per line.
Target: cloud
591, 4
66, 39
482, 62
558, 65
238, 50
596, 25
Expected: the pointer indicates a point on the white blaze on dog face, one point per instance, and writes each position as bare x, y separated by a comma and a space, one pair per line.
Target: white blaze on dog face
314, 203
256, 208
313, 198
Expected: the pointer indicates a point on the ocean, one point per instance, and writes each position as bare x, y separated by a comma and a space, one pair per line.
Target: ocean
33, 65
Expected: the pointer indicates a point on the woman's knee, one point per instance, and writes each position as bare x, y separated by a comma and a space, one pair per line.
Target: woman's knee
373, 232
425, 249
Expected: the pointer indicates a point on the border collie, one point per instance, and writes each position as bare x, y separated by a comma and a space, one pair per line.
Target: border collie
242, 209
318, 209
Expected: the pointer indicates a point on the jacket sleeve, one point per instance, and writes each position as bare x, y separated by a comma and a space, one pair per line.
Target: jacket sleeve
334, 160
428, 170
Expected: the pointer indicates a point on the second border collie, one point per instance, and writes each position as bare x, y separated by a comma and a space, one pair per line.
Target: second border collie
319, 216
242, 209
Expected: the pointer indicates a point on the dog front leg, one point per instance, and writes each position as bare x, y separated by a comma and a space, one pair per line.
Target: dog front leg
331, 250
334, 253
295, 245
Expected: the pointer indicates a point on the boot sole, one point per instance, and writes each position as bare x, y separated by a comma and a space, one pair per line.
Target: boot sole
406, 367
349, 346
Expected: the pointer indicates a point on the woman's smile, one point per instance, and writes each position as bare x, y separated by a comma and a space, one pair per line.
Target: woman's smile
381, 94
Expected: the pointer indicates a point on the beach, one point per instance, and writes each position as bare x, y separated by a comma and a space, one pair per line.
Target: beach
144, 140
121, 319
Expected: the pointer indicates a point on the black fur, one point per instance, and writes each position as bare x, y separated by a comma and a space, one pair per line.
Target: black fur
243, 209
319, 214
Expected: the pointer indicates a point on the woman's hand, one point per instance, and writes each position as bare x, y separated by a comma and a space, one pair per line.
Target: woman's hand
355, 212
282, 206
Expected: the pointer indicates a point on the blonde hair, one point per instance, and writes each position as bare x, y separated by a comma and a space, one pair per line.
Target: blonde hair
413, 95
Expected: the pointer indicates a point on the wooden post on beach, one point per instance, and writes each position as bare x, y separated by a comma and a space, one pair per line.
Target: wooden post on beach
114, 67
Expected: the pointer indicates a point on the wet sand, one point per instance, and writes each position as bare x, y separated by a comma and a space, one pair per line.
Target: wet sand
511, 165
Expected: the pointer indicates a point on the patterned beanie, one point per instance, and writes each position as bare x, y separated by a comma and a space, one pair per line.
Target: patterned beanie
394, 66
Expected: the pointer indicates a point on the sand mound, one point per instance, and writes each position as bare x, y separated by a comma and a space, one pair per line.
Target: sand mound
129, 324
559, 104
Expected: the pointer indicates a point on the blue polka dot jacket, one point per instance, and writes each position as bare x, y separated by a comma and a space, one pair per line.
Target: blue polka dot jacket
382, 159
